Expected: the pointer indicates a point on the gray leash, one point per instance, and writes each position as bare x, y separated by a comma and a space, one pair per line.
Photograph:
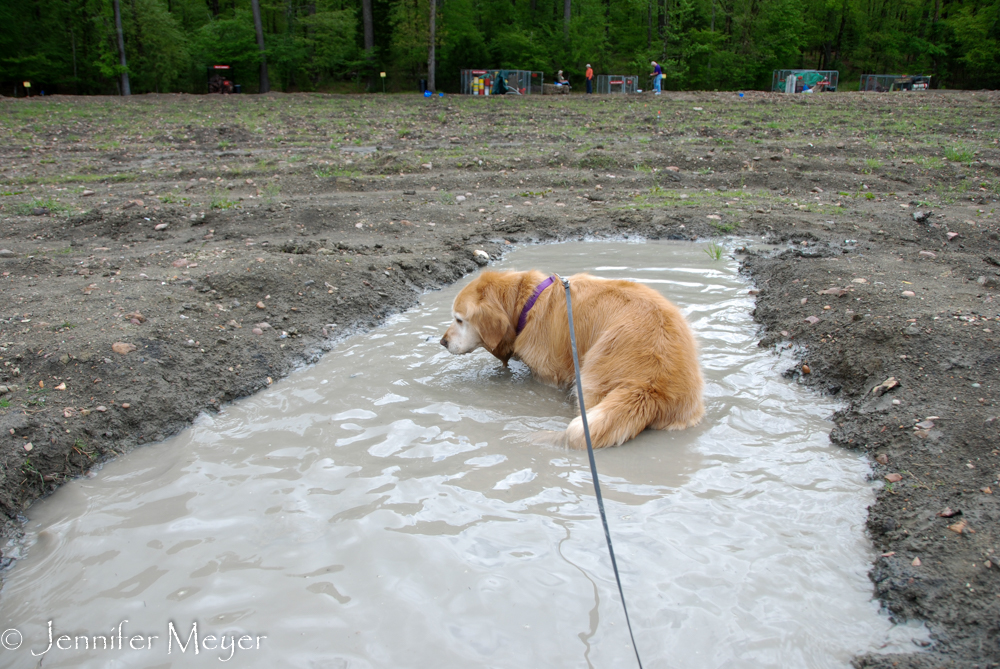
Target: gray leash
593, 467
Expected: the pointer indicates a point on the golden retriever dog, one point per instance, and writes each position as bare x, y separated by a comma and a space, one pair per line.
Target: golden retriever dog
638, 356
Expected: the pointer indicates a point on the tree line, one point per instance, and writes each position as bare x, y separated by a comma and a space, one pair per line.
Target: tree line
117, 46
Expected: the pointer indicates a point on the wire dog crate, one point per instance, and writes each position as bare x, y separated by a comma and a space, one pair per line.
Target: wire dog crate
827, 80
616, 83
519, 82
878, 83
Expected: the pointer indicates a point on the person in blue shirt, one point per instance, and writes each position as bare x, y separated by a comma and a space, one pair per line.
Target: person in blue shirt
657, 75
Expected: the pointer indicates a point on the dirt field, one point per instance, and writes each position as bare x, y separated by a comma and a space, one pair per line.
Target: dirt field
163, 255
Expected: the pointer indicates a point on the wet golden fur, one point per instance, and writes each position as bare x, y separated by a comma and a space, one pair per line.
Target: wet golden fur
638, 356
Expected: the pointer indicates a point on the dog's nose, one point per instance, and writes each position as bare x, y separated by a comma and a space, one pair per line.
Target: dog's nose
444, 342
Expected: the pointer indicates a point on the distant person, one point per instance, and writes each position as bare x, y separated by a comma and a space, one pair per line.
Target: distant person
590, 79
561, 80
657, 75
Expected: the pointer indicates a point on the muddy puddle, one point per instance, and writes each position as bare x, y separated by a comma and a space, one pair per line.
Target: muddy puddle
384, 508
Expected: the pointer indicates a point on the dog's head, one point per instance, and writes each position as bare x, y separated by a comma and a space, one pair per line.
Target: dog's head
483, 316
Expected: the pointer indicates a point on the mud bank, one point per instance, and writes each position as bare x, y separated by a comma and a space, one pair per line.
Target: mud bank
160, 257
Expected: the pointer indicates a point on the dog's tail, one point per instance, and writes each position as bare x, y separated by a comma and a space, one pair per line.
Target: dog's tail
628, 410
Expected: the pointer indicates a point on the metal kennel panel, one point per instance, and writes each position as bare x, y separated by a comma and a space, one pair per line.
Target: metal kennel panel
616, 83
878, 83
809, 77
519, 82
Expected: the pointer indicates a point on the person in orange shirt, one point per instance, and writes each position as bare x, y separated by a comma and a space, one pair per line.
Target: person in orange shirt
590, 79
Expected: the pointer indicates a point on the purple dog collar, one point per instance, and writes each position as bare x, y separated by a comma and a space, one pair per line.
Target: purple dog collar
531, 302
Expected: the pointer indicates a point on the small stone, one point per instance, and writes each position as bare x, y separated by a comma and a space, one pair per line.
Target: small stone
180, 262
803, 300
459, 198
261, 305
7, 253
4, 390
125, 405
673, 168
882, 459
427, 166
87, 193
161, 226
909, 293
928, 254
947, 512
921, 216
61, 386
916, 562
122, 348
893, 478
952, 235
988, 490
958, 527
101, 408
784, 333
28, 446
806, 370
263, 325
812, 320
257, 331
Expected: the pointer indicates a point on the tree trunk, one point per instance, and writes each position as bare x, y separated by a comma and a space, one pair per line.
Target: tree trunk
567, 13
76, 80
369, 30
121, 49
649, 24
431, 64
265, 85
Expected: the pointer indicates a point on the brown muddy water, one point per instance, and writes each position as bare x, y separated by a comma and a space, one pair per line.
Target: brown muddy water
385, 508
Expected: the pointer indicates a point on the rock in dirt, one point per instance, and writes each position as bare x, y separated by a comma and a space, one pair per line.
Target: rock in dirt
921, 216
885, 386
7, 253
893, 478
122, 348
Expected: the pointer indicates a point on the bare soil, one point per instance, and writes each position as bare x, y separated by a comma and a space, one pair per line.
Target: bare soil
163, 255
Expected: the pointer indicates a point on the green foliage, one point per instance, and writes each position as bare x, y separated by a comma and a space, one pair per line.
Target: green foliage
70, 46
714, 251
959, 154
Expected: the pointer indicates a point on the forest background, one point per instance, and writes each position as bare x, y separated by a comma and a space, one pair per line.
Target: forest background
72, 46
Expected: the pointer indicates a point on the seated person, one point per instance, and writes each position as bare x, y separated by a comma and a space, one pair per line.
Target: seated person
561, 80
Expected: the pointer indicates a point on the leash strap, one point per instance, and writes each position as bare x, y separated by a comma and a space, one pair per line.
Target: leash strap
593, 467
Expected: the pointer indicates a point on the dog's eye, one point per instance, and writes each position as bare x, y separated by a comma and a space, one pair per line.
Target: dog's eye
458, 320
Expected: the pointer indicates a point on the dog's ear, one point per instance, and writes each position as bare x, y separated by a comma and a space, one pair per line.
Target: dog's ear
495, 329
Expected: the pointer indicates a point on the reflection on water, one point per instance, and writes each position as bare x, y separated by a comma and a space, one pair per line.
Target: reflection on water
384, 508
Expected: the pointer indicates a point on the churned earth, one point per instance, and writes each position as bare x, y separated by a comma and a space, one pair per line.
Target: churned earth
163, 255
